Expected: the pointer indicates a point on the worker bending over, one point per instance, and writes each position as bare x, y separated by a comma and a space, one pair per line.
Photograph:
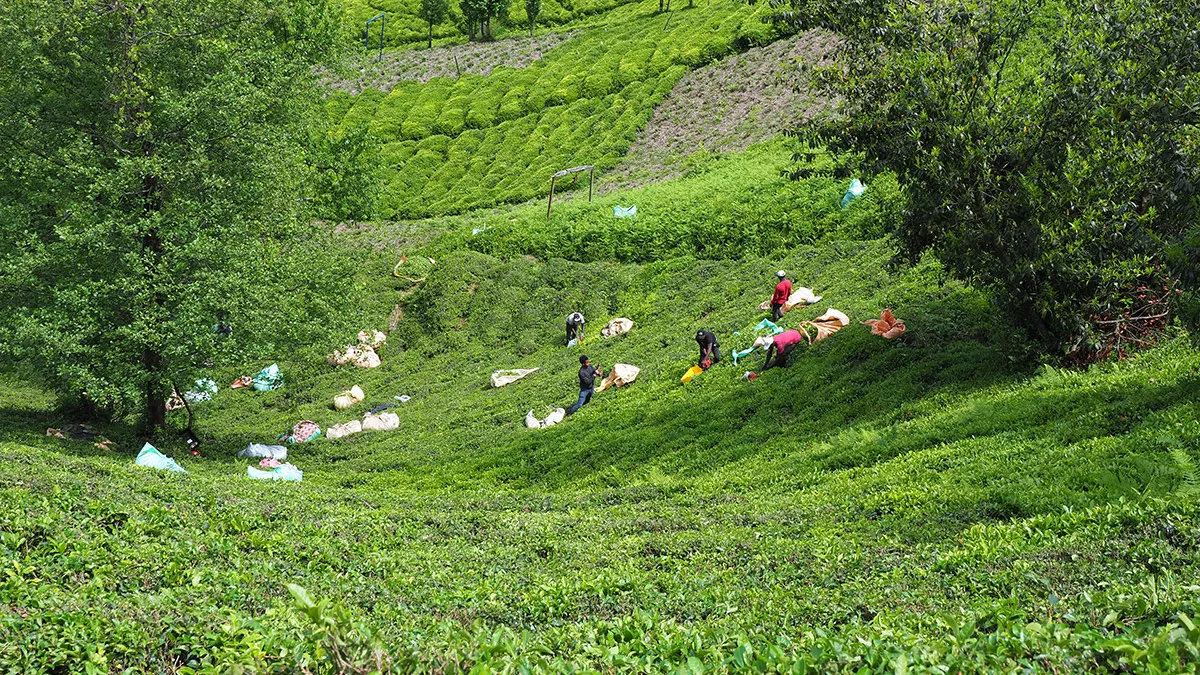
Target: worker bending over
575, 327
587, 383
779, 346
783, 290
710, 351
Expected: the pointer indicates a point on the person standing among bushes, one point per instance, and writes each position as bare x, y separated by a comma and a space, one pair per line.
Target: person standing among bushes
575, 323
783, 289
587, 383
779, 346
710, 351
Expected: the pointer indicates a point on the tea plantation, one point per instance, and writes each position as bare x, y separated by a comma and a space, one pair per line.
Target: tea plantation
950, 501
934, 504
450, 145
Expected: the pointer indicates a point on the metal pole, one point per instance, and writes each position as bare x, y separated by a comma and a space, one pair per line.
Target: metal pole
550, 201
591, 177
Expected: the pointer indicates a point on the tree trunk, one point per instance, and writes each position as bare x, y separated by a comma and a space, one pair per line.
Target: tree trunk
660, 6
531, 27
431, 35
155, 413
131, 99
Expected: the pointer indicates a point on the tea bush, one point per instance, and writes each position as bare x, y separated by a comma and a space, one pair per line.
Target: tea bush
582, 103
728, 207
934, 504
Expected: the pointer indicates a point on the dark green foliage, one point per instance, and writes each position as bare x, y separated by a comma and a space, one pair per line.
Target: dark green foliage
433, 12
532, 9
345, 183
1047, 149
152, 179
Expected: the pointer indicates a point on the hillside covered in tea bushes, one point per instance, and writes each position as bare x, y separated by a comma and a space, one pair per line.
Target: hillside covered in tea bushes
933, 502
950, 501
456, 143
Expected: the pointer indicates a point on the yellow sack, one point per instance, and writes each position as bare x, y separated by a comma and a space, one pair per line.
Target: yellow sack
692, 372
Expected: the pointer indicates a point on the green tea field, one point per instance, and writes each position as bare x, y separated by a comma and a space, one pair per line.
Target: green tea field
962, 498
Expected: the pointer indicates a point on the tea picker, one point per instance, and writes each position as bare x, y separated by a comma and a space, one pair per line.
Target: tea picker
710, 351
783, 289
575, 323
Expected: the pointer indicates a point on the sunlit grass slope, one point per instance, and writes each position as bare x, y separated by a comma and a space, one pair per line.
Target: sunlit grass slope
891, 506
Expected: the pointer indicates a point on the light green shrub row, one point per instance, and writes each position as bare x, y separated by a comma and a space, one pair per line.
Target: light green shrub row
583, 103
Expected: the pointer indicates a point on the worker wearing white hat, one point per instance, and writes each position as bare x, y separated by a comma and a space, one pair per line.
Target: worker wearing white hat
782, 290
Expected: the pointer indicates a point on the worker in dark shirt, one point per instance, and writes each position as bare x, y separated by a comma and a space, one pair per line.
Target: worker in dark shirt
710, 351
575, 327
587, 383
783, 290
779, 346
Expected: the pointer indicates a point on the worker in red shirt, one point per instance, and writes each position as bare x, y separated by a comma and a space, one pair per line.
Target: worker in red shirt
779, 346
783, 289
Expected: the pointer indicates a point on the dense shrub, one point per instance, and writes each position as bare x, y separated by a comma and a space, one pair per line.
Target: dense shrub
1048, 149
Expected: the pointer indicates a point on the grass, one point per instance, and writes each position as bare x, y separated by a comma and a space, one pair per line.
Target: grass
933, 503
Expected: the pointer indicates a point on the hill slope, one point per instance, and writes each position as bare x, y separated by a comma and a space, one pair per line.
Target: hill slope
451, 145
920, 502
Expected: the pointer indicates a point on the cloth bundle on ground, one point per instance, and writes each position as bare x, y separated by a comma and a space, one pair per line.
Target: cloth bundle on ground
243, 381
348, 398
304, 431
800, 297
827, 324
616, 327
268, 378
152, 458
887, 325
384, 421
344, 429
362, 354
622, 212
281, 472
553, 418
691, 373
204, 390
503, 377
620, 375
258, 451
80, 432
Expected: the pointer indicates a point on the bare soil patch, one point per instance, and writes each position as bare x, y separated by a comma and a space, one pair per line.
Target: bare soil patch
422, 65
725, 107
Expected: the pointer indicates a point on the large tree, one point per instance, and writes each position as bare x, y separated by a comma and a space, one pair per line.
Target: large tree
532, 9
1048, 149
433, 12
153, 178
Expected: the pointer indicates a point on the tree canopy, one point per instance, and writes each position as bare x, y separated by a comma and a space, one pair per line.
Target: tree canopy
156, 179
1047, 149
